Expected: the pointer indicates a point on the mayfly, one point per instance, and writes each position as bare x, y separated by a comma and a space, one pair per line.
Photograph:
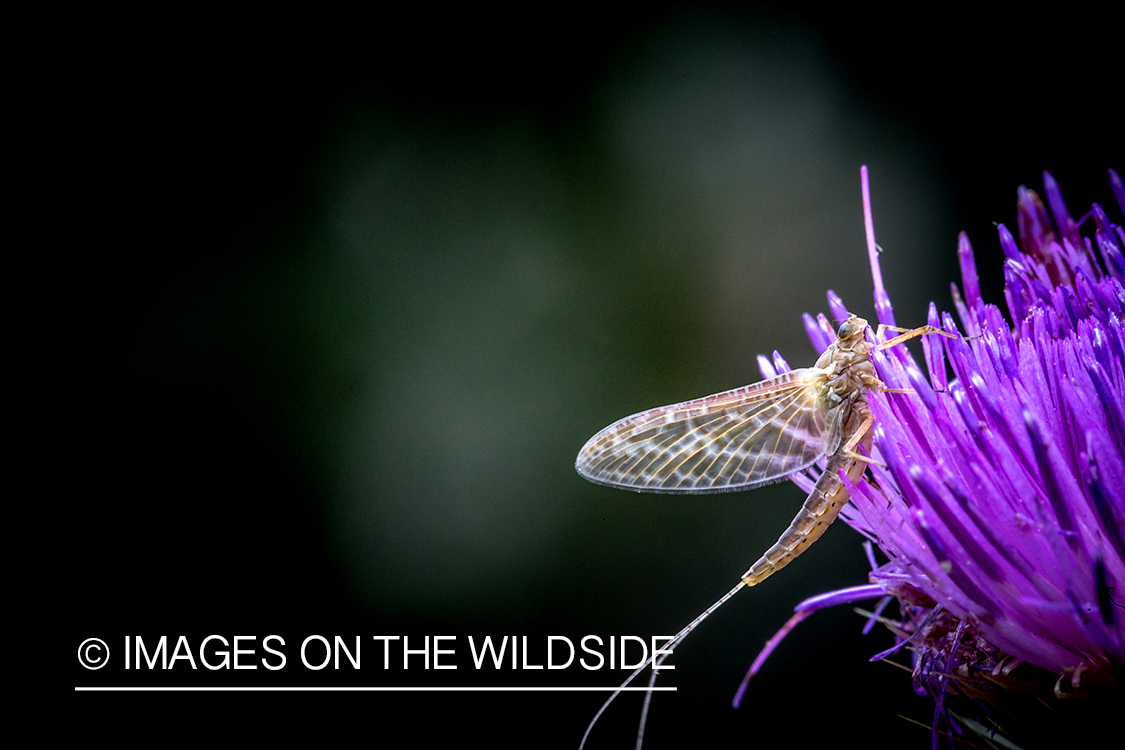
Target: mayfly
755, 435
752, 436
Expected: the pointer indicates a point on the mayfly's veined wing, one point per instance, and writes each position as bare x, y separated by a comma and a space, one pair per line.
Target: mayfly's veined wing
734, 440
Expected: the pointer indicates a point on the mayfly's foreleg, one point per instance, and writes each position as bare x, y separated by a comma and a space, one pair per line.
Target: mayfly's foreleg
905, 334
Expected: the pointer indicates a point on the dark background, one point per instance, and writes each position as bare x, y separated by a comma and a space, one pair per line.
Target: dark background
360, 289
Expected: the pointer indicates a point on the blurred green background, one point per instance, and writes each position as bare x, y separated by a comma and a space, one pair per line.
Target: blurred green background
359, 302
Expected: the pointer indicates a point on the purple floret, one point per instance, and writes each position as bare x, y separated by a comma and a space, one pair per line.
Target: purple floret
999, 480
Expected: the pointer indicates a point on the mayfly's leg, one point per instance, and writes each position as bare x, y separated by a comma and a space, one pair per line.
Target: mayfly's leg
820, 509
848, 449
860, 434
905, 334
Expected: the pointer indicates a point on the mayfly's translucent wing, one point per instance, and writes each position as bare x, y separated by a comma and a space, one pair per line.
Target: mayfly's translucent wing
734, 440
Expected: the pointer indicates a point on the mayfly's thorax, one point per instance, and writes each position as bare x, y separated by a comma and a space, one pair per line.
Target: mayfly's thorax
848, 368
853, 375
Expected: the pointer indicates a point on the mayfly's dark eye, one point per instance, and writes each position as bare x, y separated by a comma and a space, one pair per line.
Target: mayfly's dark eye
846, 330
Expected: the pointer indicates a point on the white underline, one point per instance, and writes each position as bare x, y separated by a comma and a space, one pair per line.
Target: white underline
370, 689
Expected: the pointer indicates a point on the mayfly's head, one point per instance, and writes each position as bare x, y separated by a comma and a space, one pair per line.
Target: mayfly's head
851, 333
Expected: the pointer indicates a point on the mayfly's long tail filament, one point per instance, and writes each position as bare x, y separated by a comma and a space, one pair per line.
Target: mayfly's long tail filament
666, 650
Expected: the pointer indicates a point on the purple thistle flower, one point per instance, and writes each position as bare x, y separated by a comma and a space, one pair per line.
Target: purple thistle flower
999, 492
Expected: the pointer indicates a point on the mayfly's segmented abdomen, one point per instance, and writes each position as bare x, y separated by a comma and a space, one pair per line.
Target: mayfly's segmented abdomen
819, 511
